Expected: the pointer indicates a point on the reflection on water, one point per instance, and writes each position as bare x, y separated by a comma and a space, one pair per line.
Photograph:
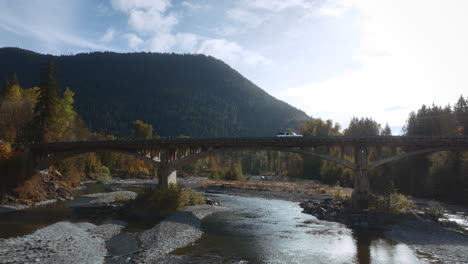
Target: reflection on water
272, 231
19, 223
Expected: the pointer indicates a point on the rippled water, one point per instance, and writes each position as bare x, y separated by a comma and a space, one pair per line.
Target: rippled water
257, 230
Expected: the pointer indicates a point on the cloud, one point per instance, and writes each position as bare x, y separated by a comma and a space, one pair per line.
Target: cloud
231, 52
161, 42
192, 6
187, 41
150, 21
154, 27
277, 5
129, 5
411, 53
46, 26
133, 40
246, 17
335, 8
147, 16
108, 36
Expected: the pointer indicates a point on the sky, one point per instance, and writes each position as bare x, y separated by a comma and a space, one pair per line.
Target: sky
334, 59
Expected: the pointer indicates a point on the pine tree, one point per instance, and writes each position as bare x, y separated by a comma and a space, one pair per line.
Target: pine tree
4, 88
46, 105
386, 131
461, 113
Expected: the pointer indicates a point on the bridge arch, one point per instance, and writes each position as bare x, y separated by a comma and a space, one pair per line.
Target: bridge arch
45, 163
187, 160
400, 156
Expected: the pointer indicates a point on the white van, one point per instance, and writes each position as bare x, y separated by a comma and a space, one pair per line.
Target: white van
288, 134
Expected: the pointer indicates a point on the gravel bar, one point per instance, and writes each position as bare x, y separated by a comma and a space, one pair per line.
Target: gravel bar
177, 231
428, 238
62, 242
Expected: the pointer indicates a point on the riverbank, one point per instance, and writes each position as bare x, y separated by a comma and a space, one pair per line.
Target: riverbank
62, 242
431, 241
288, 191
184, 227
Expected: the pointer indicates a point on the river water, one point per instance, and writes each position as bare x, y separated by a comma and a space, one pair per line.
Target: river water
250, 230
256, 230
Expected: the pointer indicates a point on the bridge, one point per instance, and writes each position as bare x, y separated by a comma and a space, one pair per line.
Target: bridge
169, 154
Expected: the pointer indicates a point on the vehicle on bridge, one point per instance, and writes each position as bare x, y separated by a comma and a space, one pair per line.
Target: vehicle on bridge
288, 134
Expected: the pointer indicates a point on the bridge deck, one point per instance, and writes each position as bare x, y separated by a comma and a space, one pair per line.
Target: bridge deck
259, 142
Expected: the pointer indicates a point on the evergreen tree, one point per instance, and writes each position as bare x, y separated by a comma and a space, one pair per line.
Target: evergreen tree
364, 127
461, 113
46, 105
386, 131
4, 88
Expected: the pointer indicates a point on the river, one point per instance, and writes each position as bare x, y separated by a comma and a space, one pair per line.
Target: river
257, 230
251, 230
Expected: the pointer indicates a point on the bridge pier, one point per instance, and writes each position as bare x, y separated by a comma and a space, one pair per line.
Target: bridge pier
166, 173
166, 176
360, 194
27, 164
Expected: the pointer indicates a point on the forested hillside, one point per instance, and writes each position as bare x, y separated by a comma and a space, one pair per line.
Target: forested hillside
193, 95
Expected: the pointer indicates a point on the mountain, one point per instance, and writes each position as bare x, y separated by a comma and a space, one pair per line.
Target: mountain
194, 95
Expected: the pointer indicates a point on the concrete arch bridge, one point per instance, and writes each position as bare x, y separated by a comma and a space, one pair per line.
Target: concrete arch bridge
169, 154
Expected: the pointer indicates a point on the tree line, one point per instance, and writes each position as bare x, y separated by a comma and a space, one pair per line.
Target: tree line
44, 113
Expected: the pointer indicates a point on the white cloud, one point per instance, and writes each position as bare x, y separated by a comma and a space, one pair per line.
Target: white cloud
147, 16
277, 5
335, 8
225, 30
133, 40
149, 21
128, 5
161, 42
154, 31
191, 6
246, 17
231, 52
411, 53
108, 36
187, 41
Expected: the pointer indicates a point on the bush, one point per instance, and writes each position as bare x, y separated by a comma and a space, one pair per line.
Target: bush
169, 199
435, 210
338, 194
234, 173
5, 150
102, 174
214, 174
393, 203
122, 197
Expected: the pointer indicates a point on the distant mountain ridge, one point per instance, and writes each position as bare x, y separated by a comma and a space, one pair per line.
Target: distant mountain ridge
193, 95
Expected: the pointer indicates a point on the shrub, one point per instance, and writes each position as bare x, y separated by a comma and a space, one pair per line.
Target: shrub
435, 210
121, 197
168, 199
214, 174
237, 172
5, 150
338, 194
393, 203
102, 174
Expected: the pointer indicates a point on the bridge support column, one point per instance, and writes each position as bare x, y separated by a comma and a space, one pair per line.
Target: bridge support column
27, 165
360, 195
166, 176
165, 172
